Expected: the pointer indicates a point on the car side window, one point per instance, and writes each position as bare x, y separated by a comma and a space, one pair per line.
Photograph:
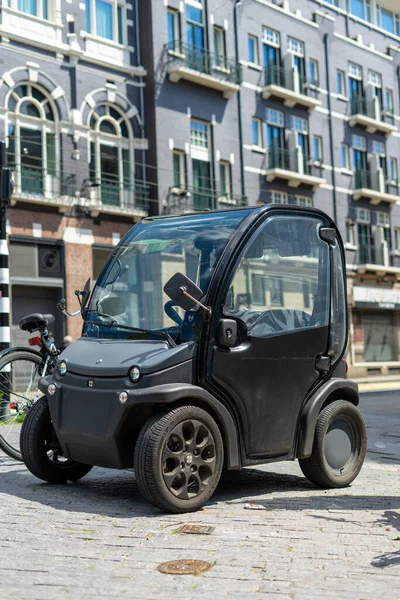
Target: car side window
281, 284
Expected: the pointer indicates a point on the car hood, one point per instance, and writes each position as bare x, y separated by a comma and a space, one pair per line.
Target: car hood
113, 358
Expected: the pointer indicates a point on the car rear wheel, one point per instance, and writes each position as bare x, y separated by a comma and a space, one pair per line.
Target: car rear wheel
340, 444
178, 459
41, 451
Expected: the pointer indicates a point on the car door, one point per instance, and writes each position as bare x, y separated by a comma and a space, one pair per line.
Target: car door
278, 292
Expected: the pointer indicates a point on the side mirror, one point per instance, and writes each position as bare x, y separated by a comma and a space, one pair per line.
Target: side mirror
111, 306
183, 291
86, 293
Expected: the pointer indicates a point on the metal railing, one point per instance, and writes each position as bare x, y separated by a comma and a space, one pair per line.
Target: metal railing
201, 198
373, 180
287, 78
295, 161
374, 255
200, 59
56, 188
359, 105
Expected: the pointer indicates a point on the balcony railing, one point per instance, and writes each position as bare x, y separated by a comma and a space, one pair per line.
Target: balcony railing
374, 255
291, 80
366, 179
193, 63
63, 189
295, 161
188, 199
369, 113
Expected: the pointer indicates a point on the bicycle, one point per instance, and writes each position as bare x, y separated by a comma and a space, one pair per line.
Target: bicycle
20, 371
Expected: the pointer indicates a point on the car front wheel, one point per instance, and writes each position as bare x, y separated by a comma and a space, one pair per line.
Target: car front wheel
178, 459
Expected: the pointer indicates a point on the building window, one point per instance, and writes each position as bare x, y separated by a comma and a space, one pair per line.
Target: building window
387, 20
345, 156
317, 148
194, 26
313, 72
363, 216
110, 155
378, 148
361, 9
299, 124
253, 50
36, 8
225, 180
32, 140
341, 83
199, 134
349, 232
257, 132
274, 117
179, 169
295, 47
393, 170
389, 106
271, 37
383, 219
355, 81
105, 19
397, 238
219, 48
279, 197
303, 201
375, 80
174, 34
360, 143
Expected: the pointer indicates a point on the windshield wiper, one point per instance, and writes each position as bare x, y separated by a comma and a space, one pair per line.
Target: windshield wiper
161, 334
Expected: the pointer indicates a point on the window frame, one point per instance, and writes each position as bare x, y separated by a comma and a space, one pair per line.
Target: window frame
254, 39
345, 152
393, 161
176, 25
118, 12
226, 167
363, 216
303, 201
180, 154
193, 138
220, 31
259, 125
317, 139
341, 77
315, 68
397, 239
45, 9
277, 195
382, 219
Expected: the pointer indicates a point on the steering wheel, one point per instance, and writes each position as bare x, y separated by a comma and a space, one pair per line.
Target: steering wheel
172, 314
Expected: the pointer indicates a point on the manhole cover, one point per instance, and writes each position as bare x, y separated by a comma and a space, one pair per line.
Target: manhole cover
196, 529
184, 567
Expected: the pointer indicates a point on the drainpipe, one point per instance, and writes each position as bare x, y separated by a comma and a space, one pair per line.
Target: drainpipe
331, 143
141, 90
239, 100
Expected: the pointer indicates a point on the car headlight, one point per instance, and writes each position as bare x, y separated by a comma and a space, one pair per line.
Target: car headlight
134, 374
62, 367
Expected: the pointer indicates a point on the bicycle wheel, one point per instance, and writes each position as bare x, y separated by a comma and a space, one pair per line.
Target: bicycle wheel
19, 375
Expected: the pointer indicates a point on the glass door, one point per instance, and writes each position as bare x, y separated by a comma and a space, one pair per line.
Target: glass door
109, 169
202, 194
31, 153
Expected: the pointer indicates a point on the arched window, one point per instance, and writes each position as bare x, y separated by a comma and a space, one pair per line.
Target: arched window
32, 141
111, 155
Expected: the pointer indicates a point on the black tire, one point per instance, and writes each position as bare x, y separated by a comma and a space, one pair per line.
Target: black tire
340, 445
41, 451
19, 372
179, 457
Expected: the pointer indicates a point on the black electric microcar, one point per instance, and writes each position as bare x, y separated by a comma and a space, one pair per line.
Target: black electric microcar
211, 340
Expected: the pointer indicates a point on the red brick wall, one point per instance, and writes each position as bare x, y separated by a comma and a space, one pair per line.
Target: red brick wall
78, 267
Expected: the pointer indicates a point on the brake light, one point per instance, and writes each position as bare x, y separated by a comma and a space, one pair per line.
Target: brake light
346, 365
35, 341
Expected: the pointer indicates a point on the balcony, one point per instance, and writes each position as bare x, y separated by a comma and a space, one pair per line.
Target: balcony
369, 114
371, 185
36, 185
202, 67
375, 259
293, 166
291, 87
190, 199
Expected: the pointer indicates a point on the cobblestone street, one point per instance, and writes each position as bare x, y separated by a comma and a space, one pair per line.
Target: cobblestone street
98, 539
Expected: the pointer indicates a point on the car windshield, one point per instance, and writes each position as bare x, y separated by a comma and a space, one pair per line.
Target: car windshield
129, 301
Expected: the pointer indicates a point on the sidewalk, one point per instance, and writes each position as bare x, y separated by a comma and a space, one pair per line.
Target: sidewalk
379, 384
97, 539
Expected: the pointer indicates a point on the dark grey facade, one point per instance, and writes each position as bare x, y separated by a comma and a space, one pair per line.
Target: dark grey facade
294, 102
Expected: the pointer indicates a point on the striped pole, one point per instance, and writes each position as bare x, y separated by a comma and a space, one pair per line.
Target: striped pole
6, 187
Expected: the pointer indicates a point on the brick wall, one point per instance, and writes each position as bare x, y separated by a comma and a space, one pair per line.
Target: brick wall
78, 267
